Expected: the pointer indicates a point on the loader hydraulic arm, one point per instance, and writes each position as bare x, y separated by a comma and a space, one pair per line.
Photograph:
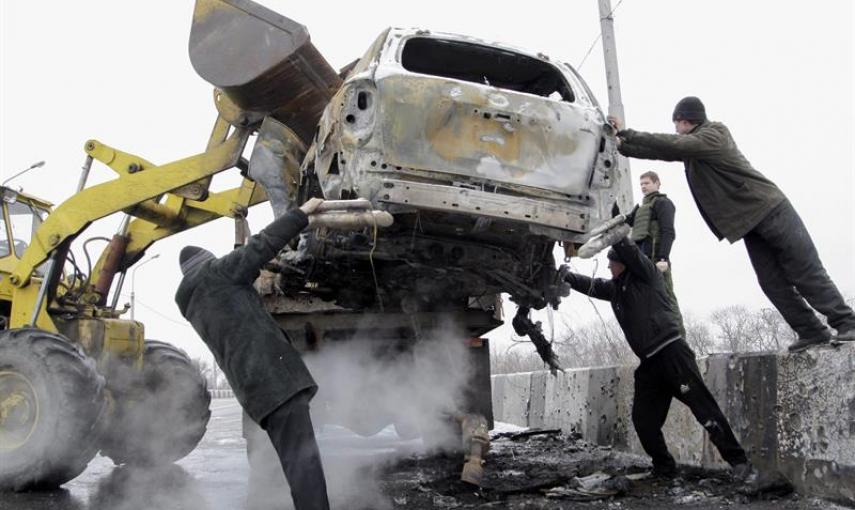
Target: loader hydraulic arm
139, 190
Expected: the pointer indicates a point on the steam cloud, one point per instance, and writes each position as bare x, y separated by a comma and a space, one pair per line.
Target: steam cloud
366, 386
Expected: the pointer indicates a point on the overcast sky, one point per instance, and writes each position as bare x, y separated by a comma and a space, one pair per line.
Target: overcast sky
779, 74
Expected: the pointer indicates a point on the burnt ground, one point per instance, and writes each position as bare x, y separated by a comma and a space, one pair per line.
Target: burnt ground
540, 472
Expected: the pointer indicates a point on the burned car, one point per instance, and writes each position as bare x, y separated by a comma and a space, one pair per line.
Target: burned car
487, 157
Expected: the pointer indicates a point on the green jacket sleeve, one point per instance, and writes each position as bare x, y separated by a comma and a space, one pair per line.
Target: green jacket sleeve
633, 150
699, 144
243, 264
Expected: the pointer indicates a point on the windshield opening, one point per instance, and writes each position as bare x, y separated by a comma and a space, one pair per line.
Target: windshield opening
485, 65
24, 220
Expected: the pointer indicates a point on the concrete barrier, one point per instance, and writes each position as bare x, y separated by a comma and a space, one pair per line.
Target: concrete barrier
792, 413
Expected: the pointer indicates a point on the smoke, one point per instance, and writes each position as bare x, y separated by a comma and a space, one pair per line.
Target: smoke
388, 391
167, 487
365, 386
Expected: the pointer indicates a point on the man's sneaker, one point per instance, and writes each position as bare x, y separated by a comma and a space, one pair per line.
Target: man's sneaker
806, 343
845, 335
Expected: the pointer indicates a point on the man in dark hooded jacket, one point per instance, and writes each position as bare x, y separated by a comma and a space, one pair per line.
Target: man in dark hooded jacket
268, 376
738, 202
668, 369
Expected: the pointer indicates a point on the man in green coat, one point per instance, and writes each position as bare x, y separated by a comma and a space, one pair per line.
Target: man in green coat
738, 202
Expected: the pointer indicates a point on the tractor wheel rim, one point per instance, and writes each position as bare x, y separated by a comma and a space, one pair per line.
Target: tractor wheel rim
19, 410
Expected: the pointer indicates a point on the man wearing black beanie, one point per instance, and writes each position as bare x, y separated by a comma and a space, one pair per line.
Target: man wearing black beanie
268, 376
738, 202
668, 370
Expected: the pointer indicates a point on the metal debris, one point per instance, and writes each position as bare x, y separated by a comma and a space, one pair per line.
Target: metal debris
525, 434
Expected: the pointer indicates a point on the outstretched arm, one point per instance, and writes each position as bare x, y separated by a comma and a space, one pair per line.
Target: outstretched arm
594, 287
243, 264
640, 144
634, 150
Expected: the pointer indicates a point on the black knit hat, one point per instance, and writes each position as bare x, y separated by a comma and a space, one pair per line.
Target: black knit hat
691, 109
192, 257
614, 256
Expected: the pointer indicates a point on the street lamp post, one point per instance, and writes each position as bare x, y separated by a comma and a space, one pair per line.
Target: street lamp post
133, 280
38, 164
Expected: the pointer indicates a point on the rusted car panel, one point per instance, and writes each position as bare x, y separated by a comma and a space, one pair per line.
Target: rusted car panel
486, 134
548, 214
390, 123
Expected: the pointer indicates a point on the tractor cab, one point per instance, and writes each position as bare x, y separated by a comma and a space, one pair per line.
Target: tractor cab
22, 215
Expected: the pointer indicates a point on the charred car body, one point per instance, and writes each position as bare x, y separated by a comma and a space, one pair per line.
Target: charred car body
486, 155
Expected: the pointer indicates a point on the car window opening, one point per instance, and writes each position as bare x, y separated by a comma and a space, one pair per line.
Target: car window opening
485, 65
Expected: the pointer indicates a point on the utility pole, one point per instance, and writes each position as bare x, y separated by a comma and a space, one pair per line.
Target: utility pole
607, 30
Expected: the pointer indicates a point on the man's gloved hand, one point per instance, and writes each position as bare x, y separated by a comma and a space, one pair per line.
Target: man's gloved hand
662, 266
565, 274
630, 218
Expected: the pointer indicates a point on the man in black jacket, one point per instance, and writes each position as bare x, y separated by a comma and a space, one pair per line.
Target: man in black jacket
653, 231
668, 368
268, 376
738, 202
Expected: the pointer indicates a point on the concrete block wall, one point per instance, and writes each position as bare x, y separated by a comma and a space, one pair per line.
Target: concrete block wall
792, 413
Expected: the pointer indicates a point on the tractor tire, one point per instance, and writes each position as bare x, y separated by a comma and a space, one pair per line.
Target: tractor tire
162, 417
52, 410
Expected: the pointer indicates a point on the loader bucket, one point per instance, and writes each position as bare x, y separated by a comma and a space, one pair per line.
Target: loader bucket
263, 61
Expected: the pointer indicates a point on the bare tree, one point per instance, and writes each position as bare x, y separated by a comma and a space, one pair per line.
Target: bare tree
734, 324
518, 357
599, 343
698, 334
773, 330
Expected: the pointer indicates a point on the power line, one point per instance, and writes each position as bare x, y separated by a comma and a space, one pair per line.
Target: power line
163, 315
596, 39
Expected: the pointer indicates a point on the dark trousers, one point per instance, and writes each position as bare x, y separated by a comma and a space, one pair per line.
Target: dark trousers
791, 274
290, 430
673, 373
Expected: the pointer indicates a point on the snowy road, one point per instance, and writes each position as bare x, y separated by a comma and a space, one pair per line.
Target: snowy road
213, 477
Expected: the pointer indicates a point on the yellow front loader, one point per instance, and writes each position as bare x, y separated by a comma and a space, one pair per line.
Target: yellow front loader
75, 377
